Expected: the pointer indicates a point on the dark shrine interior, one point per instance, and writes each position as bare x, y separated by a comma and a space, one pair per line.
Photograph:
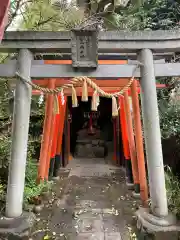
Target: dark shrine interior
89, 127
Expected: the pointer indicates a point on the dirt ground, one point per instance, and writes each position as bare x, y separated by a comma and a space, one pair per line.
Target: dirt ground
89, 202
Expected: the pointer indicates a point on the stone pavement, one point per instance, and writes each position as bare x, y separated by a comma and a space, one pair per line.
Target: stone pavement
90, 203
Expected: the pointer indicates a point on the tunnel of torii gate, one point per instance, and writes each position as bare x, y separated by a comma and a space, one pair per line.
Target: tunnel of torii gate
146, 51
53, 125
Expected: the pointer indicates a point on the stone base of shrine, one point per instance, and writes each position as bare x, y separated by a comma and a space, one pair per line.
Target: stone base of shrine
158, 228
16, 228
90, 149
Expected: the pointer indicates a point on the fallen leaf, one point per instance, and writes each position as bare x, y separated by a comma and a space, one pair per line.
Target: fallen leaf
47, 237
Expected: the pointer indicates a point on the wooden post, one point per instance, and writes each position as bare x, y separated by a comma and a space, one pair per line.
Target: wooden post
118, 147
49, 160
42, 162
66, 139
58, 156
69, 138
131, 143
139, 143
46, 133
125, 141
48, 157
121, 148
57, 149
54, 144
115, 140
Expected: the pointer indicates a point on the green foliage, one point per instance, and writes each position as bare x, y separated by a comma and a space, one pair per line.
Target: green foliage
133, 15
4, 147
169, 112
169, 119
173, 192
4, 160
148, 15
42, 15
5, 95
31, 189
2, 192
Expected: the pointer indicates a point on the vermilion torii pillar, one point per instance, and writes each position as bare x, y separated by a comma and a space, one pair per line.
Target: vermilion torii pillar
54, 134
139, 143
131, 140
46, 134
125, 141
58, 154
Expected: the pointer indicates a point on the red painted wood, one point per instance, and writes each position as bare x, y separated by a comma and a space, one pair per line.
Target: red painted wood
123, 123
55, 135
62, 110
100, 82
4, 7
48, 158
139, 144
110, 89
110, 83
46, 135
131, 139
101, 62
115, 140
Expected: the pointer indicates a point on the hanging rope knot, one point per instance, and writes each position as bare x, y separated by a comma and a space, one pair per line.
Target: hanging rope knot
95, 101
74, 97
114, 107
56, 105
84, 91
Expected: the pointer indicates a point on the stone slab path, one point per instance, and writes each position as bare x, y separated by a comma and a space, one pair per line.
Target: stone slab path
89, 202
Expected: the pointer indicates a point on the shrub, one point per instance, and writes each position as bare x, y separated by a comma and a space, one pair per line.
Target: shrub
31, 189
169, 119
173, 192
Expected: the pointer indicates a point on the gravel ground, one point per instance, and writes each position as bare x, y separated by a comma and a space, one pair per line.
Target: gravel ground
89, 202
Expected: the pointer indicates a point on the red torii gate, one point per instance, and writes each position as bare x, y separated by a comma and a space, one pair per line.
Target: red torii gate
54, 124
